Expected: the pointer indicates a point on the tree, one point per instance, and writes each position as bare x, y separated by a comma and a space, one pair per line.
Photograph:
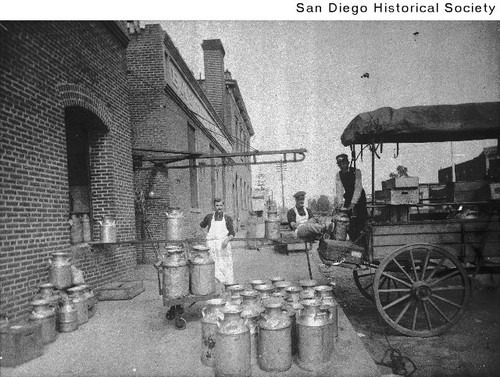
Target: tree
323, 204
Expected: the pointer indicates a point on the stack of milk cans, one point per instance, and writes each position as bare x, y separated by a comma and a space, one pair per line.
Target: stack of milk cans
271, 323
66, 302
61, 305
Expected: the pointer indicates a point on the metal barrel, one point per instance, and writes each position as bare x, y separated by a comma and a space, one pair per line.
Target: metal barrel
202, 271
315, 346
316, 336
211, 313
233, 345
44, 314
274, 344
175, 281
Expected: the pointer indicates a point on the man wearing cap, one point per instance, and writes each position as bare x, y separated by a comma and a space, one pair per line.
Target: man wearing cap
350, 196
302, 220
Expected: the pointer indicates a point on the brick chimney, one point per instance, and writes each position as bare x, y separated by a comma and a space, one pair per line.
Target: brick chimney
215, 87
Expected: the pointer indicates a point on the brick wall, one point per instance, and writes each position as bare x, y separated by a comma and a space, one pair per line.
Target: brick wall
46, 67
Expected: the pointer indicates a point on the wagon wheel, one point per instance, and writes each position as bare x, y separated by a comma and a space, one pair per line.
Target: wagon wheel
425, 291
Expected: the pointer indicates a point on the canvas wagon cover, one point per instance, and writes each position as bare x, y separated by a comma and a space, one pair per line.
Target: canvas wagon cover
422, 124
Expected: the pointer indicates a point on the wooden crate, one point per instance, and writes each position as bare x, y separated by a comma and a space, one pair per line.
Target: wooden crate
400, 182
402, 196
121, 290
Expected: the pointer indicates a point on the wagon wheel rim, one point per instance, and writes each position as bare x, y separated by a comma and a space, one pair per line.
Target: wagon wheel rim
428, 290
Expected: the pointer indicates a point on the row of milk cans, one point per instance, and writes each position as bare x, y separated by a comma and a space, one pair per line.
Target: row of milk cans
186, 272
270, 324
65, 303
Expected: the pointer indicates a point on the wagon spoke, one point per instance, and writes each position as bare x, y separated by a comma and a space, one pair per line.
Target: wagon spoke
394, 290
449, 288
402, 298
426, 261
441, 261
413, 265
403, 311
402, 269
415, 316
445, 277
396, 279
427, 317
447, 301
439, 310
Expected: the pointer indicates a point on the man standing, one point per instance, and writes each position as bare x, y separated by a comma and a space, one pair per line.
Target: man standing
350, 196
220, 231
302, 220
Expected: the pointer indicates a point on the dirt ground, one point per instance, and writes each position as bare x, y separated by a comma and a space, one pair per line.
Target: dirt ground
470, 348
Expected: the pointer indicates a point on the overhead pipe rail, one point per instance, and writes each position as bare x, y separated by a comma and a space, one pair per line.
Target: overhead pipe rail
256, 158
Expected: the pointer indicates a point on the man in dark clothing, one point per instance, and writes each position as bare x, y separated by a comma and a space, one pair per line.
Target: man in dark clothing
350, 196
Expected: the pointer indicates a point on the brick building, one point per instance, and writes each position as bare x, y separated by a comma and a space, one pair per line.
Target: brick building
65, 150
81, 102
175, 116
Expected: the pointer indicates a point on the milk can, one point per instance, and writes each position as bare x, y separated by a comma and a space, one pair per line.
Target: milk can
79, 300
341, 226
265, 290
174, 225
282, 285
91, 300
275, 279
293, 307
251, 311
47, 292
293, 296
202, 271
76, 233
226, 295
60, 270
175, 275
257, 282
211, 313
108, 229
315, 336
272, 226
250, 302
234, 294
44, 314
67, 317
308, 291
86, 230
329, 304
274, 346
233, 347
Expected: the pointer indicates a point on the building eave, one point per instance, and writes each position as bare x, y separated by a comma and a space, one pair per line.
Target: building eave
233, 84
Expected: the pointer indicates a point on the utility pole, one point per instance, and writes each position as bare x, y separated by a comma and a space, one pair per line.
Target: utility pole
281, 167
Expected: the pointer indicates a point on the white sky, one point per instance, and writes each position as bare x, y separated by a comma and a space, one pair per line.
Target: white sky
301, 82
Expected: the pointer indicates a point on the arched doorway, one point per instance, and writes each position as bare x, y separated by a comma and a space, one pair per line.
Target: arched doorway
83, 128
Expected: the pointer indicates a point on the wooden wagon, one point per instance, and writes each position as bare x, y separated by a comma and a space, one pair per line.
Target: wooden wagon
418, 272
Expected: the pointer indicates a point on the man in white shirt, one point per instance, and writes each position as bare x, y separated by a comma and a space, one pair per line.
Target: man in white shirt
302, 220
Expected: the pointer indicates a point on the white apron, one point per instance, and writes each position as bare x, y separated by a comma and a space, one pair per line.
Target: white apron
223, 257
301, 220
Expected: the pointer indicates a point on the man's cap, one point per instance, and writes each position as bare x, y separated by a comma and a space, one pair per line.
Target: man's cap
299, 194
342, 157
